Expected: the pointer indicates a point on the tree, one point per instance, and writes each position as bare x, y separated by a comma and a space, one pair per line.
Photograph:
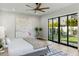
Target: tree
55, 24
72, 22
50, 25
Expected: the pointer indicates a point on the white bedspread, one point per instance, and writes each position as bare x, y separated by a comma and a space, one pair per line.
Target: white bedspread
19, 47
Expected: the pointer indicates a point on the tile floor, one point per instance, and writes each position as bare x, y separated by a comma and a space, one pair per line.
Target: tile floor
69, 50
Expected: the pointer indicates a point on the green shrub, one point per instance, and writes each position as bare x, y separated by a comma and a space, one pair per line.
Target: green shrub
1, 46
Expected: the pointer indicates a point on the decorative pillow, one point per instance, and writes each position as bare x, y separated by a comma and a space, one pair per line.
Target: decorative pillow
28, 36
29, 33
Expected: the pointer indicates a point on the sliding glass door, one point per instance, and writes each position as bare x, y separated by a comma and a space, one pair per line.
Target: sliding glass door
64, 29
55, 29
50, 35
73, 27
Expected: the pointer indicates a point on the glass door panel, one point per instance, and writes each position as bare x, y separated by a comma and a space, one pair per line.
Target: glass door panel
55, 29
63, 30
50, 30
73, 27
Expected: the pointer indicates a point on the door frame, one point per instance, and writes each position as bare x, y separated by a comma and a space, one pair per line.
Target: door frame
59, 30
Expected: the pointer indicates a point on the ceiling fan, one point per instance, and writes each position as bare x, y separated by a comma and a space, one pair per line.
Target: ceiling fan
38, 7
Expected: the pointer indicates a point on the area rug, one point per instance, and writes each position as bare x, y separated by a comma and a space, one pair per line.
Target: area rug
54, 52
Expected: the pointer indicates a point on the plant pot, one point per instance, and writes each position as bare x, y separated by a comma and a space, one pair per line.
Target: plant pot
1, 49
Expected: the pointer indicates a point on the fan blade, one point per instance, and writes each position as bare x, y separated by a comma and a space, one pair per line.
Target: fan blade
41, 10
45, 8
28, 6
38, 5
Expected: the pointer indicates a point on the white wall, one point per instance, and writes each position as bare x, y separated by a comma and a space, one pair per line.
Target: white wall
25, 24
64, 11
7, 19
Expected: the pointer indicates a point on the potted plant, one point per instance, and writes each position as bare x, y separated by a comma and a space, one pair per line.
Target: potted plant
38, 31
1, 46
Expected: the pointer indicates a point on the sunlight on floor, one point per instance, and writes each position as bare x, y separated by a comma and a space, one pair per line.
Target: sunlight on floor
71, 51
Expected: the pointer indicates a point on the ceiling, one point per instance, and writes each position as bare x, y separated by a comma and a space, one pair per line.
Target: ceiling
21, 8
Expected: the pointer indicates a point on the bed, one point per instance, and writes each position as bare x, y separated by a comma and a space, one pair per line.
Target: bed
29, 44
37, 43
19, 47
30, 37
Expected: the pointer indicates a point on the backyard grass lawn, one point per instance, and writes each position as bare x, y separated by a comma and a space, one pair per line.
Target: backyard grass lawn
71, 39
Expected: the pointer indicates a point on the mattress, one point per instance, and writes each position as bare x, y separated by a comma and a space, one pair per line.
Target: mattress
19, 47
